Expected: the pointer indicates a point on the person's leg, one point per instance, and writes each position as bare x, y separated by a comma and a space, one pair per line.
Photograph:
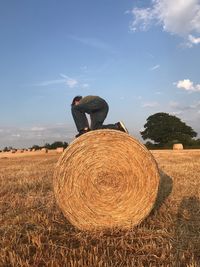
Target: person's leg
98, 117
116, 126
96, 123
80, 119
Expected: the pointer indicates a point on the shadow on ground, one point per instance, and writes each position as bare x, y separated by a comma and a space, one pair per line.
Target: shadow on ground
186, 243
164, 190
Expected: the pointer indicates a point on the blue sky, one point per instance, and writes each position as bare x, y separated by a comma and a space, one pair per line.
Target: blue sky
143, 57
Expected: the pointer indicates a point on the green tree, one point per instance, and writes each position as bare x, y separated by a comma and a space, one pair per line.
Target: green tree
165, 129
58, 144
36, 147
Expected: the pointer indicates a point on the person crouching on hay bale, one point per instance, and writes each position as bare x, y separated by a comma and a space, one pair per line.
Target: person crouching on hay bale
97, 108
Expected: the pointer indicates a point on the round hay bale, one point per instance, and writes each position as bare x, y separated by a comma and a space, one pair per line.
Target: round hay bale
105, 179
60, 149
44, 150
20, 151
177, 147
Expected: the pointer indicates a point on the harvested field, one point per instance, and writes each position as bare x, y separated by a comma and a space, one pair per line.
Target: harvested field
34, 232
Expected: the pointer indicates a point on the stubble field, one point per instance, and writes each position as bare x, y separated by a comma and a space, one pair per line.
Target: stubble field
33, 231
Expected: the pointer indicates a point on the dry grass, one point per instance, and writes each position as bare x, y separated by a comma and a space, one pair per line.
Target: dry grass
33, 231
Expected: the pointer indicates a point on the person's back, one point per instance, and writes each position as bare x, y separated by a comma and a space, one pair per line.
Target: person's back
90, 104
89, 98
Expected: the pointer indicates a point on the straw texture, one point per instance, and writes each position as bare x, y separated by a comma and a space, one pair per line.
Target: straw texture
104, 179
177, 146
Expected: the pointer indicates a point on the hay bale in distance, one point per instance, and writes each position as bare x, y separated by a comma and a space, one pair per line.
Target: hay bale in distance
60, 149
44, 150
177, 147
105, 179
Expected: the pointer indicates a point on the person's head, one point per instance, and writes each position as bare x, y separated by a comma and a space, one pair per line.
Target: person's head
76, 100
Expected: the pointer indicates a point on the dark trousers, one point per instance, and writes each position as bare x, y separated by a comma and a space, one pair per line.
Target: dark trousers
97, 109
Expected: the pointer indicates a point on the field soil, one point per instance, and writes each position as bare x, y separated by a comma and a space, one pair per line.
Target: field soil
34, 232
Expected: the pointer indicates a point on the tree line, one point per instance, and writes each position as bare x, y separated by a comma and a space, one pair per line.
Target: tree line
54, 145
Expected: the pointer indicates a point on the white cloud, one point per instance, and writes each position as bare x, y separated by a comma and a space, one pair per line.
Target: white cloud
181, 107
150, 104
180, 17
193, 40
155, 67
50, 82
188, 85
142, 18
173, 104
85, 85
92, 42
65, 80
36, 129
16, 135
196, 105
176, 113
71, 82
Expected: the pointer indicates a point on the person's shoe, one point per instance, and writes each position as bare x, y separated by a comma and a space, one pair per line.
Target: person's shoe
82, 132
122, 127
